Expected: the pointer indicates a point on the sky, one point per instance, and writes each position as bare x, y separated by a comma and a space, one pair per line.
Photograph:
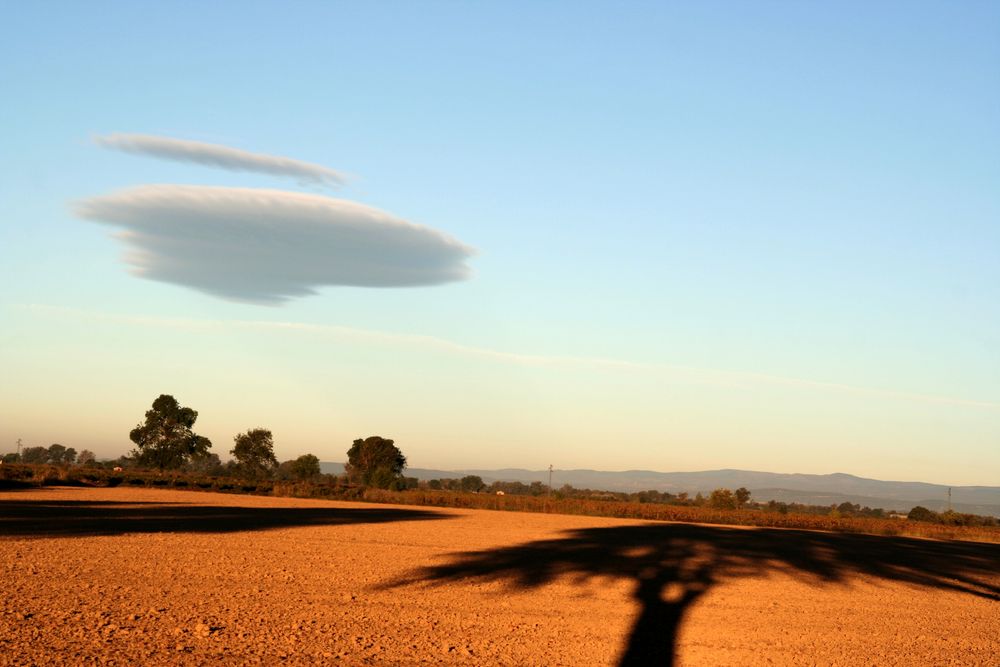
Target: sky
666, 235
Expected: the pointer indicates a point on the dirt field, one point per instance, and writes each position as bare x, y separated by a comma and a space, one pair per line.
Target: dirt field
136, 577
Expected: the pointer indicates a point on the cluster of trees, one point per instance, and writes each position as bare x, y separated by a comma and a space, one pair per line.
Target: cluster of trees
844, 509
950, 518
718, 499
724, 499
166, 440
475, 484
853, 509
55, 454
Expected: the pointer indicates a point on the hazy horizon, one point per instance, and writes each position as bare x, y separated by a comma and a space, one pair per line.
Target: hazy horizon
665, 236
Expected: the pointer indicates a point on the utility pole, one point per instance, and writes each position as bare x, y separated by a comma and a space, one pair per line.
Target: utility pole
949, 498
550, 481
18, 449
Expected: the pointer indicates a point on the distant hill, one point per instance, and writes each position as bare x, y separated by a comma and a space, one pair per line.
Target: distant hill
830, 489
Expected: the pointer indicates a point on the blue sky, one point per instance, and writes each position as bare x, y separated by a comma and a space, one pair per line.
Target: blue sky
707, 235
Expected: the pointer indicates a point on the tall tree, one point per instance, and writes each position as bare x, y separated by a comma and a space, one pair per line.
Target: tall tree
722, 499
305, 467
205, 464
375, 461
61, 454
34, 455
165, 440
472, 483
254, 453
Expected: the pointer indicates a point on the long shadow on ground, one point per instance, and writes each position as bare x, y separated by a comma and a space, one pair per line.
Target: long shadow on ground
673, 565
67, 518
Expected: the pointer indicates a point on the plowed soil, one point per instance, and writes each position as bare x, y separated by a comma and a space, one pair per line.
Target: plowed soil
138, 577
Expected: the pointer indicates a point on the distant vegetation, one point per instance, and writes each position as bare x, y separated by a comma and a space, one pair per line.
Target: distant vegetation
698, 509
166, 443
169, 454
950, 518
55, 454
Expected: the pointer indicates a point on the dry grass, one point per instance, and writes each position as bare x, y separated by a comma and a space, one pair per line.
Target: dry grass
47, 475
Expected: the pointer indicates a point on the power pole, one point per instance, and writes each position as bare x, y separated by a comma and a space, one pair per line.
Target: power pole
18, 449
550, 481
949, 498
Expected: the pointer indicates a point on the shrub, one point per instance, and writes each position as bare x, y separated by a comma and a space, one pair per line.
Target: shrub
919, 513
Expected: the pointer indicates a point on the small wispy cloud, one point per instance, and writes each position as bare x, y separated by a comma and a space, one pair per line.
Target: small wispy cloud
706, 376
268, 246
215, 155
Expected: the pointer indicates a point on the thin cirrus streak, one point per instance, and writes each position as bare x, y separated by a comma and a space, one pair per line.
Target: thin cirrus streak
216, 155
702, 375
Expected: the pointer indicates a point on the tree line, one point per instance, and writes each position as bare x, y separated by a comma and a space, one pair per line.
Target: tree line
55, 454
165, 440
718, 499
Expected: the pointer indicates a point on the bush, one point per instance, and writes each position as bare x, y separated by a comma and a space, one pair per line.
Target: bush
919, 513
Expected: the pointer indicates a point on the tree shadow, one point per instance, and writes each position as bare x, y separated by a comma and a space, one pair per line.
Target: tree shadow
673, 565
72, 518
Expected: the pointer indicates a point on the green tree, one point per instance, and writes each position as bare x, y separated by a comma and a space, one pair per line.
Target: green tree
776, 506
59, 454
848, 509
207, 463
375, 461
722, 499
472, 483
34, 455
85, 457
305, 467
742, 497
165, 440
12, 457
919, 513
254, 453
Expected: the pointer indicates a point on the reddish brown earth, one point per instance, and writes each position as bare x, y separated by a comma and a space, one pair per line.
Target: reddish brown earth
136, 577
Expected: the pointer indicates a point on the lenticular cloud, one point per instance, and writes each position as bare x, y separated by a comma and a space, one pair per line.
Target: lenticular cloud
268, 246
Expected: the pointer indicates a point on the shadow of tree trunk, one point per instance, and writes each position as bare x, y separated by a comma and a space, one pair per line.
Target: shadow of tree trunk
673, 565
